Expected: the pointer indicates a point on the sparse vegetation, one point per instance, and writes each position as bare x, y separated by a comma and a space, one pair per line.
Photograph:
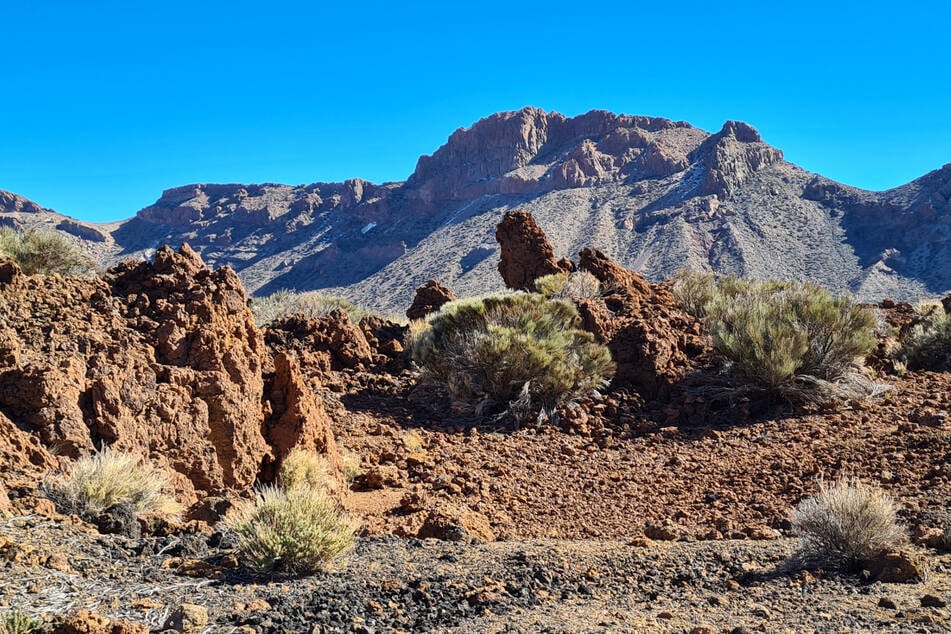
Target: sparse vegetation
109, 478
43, 252
693, 291
303, 469
848, 522
572, 286
775, 333
928, 345
294, 527
311, 305
16, 622
510, 352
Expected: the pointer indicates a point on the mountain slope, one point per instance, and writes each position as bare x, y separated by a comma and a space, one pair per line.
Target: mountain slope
654, 194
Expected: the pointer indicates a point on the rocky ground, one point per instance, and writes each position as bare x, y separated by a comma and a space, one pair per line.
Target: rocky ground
389, 584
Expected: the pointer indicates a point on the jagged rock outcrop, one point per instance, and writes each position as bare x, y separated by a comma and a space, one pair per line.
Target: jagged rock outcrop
298, 419
652, 341
158, 358
429, 298
526, 254
732, 156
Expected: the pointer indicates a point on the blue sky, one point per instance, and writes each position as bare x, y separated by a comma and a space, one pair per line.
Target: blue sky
105, 104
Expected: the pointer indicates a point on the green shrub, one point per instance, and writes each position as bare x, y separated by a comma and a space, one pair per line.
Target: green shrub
294, 530
43, 252
572, 286
773, 332
108, 478
693, 291
928, 345
16, 622
849, 522
510, 351
311, 305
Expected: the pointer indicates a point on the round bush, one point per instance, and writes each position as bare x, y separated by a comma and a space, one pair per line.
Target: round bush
772, 332
511, 351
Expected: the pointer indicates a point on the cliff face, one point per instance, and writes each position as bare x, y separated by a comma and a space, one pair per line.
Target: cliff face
654, 194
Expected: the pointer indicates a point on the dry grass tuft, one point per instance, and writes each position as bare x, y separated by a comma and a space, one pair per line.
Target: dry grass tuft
296, 530
303, 469
109, 478
848, 523
571, 286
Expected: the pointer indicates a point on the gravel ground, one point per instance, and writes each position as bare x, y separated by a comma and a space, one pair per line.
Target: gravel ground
388, 584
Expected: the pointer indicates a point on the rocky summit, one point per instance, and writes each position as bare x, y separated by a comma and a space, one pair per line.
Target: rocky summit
655, 195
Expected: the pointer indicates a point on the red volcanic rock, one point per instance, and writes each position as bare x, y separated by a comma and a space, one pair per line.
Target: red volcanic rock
162, 359
651, 340
334, 337
429, 298
298, 419
526, 253
658, 161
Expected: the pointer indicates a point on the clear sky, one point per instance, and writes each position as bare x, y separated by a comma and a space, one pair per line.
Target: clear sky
105, 104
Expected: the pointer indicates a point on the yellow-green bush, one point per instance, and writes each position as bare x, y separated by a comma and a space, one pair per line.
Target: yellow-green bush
848, 522
295, 526
16, 622
43, 252
510, 350
773, 332
311, 305
576, 285
109, 478
693, 291
928, 345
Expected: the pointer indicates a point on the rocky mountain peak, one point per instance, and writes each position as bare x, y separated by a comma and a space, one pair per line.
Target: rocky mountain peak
13, 203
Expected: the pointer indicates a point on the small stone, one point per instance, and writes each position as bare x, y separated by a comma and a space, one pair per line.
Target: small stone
188, 617
258, 605
58, 561
703, 629
896, 567
146, 604
887, 603
760, 611
933, 601
665, 615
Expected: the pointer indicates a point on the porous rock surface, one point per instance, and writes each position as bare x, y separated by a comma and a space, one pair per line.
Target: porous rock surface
159, 358
651, 340
429, 298
526, 254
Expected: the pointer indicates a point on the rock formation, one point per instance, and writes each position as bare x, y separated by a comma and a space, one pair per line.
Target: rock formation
159, 358
651, 340
526, 254
429, 298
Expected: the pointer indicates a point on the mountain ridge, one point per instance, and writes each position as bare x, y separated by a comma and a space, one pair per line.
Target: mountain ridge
655, 194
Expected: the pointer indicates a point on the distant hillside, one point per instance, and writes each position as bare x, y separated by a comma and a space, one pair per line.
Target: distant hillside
654, 194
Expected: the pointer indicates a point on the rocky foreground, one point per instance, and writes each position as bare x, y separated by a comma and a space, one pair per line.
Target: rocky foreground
659, 505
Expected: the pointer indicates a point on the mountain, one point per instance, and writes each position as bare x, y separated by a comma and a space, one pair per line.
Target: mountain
654, 194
